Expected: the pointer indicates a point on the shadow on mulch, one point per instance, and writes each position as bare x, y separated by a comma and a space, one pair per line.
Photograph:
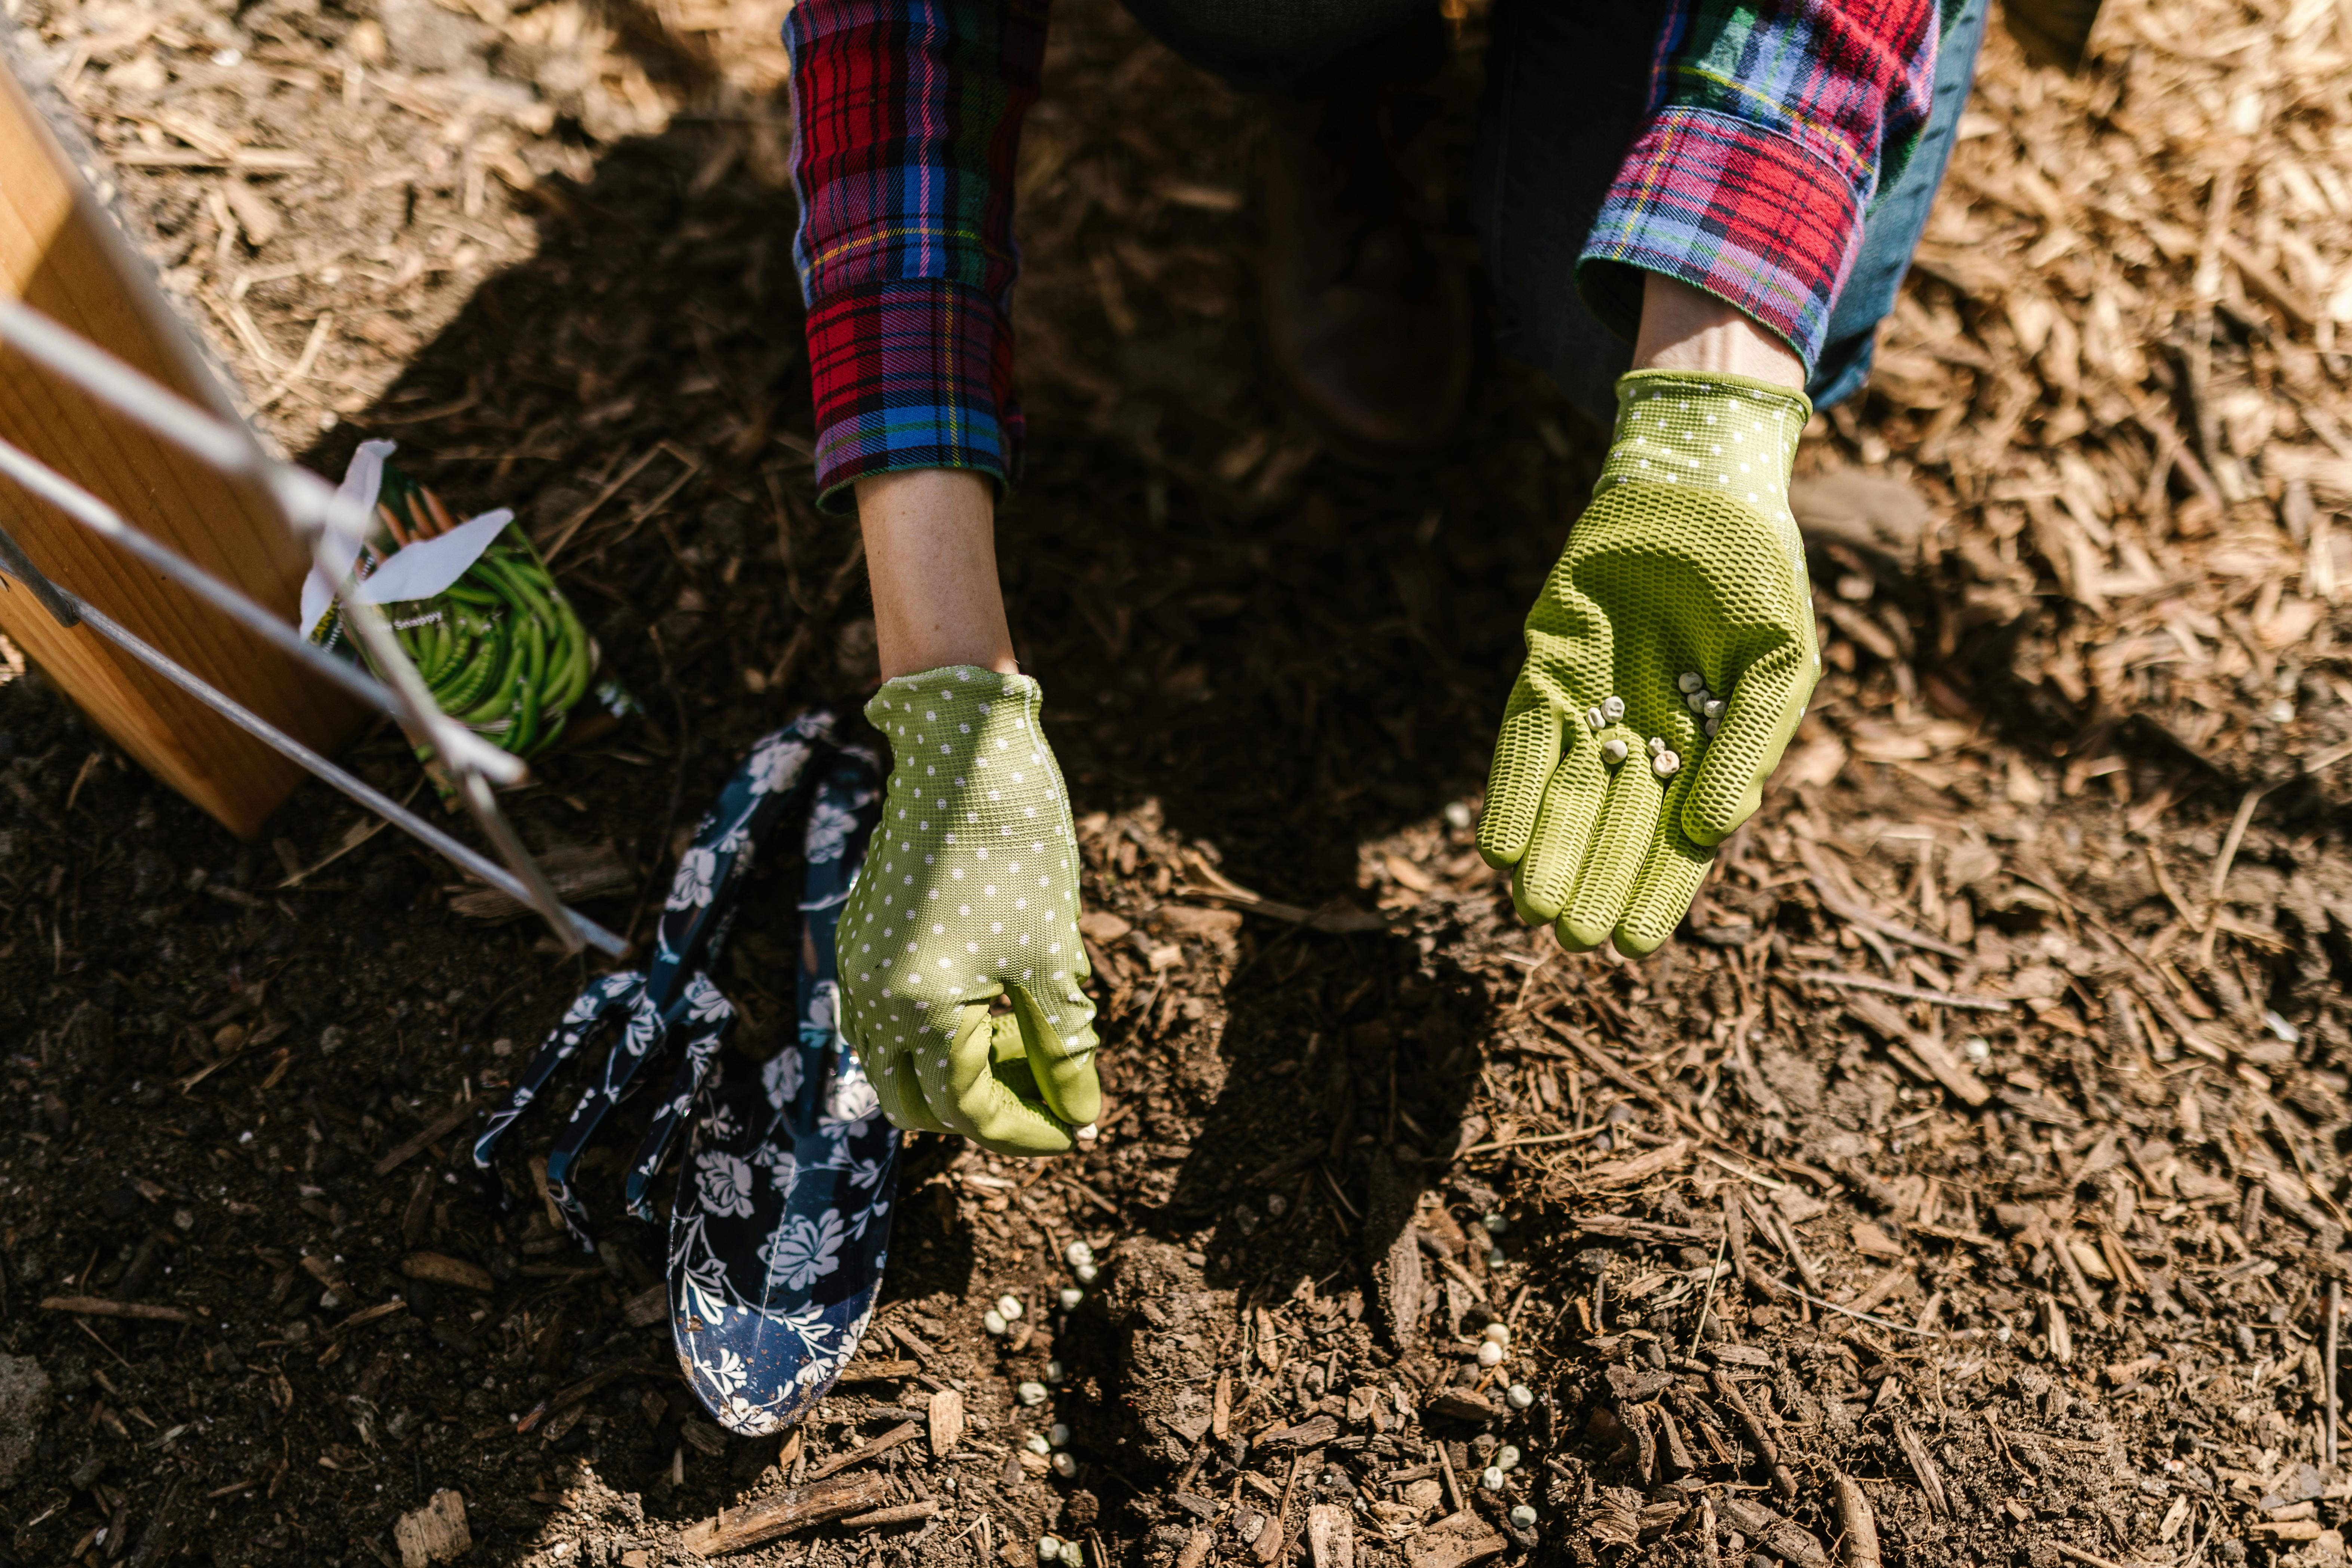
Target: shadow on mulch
1271, 659
1287, 669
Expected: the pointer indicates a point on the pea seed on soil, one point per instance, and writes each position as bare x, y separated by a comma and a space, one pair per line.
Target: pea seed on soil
1971, 1165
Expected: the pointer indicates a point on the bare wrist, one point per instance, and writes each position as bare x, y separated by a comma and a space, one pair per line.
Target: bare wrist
930, 557
1684, 328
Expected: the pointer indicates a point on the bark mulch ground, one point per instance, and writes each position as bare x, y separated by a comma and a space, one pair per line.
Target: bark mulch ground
1967, 1185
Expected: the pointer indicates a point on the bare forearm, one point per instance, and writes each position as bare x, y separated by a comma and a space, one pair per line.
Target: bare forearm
1685, 328
930, 556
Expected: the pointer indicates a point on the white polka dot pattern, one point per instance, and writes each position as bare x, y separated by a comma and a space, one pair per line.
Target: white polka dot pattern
1722, 434
969, 892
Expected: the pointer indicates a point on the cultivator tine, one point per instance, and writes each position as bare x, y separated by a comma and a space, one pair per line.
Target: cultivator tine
711, 1028
641, 1040
586, 1015
676, 995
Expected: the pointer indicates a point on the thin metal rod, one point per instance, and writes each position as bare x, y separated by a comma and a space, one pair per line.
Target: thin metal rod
359, 790
316, 510
311, 504
100, 518
13, 563
228, 447
103, 519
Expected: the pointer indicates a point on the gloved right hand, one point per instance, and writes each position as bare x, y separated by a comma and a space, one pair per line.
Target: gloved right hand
1669, 656
970, 895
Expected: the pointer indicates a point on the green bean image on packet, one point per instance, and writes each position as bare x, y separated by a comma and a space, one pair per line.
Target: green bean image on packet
496, 641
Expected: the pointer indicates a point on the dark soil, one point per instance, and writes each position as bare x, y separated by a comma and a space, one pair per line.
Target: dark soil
2093, 1231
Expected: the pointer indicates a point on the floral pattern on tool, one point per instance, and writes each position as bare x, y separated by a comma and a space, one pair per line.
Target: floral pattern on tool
783, 1219
781, 1223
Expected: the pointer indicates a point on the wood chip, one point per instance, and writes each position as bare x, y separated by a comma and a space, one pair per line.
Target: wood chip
1680, 1459
440, 1127
734, 1530
1331, 1536
1455, 1543
1639, 1168
100, 1307
902, 1513
440, 1269
915, 1346
1930, 1054
646, 1307
565, 1397
320, 1267
946, 1420
256, 214
1906, 992
434, 1533
1783, 1538
250, 160
367, 1315
1896, 1277
577, 871
1923, 1465
1393, 1195
1783, 1480
2088, 1559
858, 1456
880, 1371
1311, 1433
1857, 1526
1459, 1404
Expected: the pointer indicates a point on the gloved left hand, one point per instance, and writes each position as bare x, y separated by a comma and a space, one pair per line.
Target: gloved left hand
1669, 656
969, 894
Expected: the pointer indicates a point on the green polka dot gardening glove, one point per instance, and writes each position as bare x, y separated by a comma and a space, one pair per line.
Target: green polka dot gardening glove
1669, 656
969, 894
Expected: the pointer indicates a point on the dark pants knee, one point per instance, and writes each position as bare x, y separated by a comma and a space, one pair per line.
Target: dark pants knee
1567, 88
1291, 45
1549, 151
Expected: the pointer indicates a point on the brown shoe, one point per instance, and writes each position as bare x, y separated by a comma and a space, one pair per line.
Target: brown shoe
1367, 324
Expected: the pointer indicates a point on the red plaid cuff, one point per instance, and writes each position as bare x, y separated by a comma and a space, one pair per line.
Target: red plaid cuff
1742, 212
912, 374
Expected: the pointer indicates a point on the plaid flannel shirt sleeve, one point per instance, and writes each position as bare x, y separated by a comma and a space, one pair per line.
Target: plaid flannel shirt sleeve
1772, 125
907, 120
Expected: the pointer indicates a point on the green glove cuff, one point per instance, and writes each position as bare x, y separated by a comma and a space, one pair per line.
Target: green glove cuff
1728, 433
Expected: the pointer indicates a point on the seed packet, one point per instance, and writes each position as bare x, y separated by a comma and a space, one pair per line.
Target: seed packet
494, 638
